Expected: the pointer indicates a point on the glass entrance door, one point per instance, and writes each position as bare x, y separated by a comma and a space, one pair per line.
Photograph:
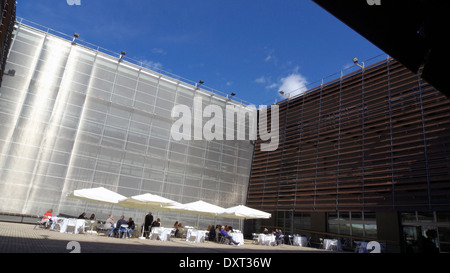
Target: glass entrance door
420, 239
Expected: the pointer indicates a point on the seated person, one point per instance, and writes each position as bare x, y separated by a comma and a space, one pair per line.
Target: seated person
131, 227
175, 226
212, 233
278, 236
218, 234
180, 230
156, 223
109, 224
47, 219
225, 234
119, 225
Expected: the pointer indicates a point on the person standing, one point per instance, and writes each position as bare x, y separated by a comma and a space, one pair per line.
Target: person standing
147, 224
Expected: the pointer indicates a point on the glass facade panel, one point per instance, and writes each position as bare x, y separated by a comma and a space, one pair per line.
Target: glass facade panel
355, 224
73, 118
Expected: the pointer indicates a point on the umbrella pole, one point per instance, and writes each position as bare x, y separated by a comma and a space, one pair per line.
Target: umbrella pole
142, 235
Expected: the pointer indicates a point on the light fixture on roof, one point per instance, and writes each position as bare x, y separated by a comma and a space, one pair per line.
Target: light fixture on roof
197, 85
283, 94
11, 72
122, 54
75, 36
356, 61
230, 96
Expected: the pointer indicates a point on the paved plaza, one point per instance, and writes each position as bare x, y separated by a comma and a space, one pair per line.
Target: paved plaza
24, 238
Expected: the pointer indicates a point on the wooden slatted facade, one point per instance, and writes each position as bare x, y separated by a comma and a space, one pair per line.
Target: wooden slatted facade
374, 140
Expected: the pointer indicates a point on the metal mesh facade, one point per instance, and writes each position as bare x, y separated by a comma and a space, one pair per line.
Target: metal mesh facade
73, 117
374, 140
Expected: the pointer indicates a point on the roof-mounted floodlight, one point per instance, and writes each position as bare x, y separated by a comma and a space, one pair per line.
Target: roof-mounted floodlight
283, 94
197, 85
230, 96
356, 61
122, 54
75, 36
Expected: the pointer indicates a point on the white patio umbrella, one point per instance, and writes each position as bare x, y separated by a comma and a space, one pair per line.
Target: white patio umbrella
148, 201
198, 207
244, 212
99, 195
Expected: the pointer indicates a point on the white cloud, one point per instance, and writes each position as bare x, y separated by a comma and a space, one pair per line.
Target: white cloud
152, 64
158, 51
261, 79
347, 66
294, 84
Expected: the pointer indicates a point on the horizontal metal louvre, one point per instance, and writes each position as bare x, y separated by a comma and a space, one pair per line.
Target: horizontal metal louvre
375, 140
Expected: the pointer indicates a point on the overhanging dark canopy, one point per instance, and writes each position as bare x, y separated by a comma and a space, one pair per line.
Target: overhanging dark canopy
411, 31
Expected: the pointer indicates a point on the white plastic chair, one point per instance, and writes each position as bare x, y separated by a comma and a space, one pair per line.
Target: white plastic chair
255, 238
72, 223
57, 225
123, 231
172, 234
43, 223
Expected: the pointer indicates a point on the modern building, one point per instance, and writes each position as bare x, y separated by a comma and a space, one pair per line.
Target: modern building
7, 20
74, 116
411, 31
363, 157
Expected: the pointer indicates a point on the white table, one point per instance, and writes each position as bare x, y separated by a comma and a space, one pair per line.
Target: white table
237, 237
160, 233
55, 220
196, 236
64, 223
332, 244
90, 224
266, 239
182, 232
300, 241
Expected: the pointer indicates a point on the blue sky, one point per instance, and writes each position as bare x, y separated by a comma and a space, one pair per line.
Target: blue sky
253, 48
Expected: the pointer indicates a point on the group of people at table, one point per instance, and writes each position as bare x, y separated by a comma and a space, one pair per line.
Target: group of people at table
217, 232
214, 233
114, 229
272, 238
